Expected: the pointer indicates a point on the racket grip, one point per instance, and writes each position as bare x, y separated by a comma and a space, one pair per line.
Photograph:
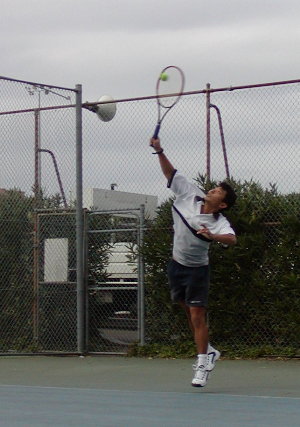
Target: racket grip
156, 132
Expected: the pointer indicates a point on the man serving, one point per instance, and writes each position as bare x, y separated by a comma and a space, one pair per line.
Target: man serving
198, 221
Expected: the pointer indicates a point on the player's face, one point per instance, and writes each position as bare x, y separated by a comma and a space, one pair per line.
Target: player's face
215, 198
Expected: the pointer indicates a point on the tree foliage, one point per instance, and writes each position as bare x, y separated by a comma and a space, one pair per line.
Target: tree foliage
15, 268
254, 292
18, 301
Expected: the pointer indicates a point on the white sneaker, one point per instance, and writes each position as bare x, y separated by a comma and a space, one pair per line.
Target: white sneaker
212, 356
200, 377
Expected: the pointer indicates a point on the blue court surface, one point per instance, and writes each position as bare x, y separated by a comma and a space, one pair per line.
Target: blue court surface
121, 392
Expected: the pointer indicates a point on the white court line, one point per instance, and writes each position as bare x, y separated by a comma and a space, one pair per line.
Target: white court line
202, 392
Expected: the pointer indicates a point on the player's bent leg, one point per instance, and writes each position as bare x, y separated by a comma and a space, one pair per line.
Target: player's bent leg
198, 320
212, 356
188, 315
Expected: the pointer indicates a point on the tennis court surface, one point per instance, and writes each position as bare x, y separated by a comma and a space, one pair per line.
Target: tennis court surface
117, 391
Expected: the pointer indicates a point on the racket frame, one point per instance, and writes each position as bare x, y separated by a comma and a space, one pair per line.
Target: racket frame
160, 106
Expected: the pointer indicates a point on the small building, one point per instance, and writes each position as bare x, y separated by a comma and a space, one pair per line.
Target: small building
101, 199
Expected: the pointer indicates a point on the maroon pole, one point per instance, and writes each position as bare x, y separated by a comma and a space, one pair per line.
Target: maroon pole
222, 139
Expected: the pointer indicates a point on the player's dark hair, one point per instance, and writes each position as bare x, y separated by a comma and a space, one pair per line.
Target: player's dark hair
230, 197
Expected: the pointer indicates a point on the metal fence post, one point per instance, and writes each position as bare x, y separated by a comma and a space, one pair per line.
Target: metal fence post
208, 130
222, 139
79, 227
37, 196
141, 283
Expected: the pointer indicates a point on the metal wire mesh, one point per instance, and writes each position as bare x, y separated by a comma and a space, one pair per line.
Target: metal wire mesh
29, 181
55, 318
255, 286
114, 281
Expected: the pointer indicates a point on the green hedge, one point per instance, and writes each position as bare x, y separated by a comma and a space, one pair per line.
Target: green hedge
254, 292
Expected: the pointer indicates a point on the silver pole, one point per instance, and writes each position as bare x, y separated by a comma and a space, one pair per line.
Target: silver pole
79, 227
208, 131
39, 171
141, 283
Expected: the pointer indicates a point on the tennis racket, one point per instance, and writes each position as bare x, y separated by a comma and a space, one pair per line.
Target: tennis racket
169, 88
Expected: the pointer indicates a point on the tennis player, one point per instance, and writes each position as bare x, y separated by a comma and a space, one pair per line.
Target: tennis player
198, 221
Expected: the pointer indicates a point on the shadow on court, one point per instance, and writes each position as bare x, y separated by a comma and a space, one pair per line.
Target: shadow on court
120, 391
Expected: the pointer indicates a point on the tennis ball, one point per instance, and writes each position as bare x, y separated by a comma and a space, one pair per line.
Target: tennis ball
164, 77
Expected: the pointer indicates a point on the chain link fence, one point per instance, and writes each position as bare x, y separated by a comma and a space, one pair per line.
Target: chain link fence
38, 174
115, 280
249, 133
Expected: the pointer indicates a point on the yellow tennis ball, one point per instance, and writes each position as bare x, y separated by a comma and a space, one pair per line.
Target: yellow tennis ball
164, 77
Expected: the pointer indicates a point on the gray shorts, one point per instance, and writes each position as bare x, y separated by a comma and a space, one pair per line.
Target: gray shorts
188, 284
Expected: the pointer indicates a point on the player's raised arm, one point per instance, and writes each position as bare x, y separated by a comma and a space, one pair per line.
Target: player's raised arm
166, 166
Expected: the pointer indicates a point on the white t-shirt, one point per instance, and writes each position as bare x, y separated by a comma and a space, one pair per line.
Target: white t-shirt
188, 249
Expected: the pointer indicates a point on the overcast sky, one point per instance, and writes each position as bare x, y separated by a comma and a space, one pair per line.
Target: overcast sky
119, 46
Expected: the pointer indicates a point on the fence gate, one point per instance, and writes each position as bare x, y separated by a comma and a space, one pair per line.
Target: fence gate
54, 280
115, 280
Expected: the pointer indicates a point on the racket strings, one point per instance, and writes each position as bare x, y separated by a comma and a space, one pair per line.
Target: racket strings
172, 85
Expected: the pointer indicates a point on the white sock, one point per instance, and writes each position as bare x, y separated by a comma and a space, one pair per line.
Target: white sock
202, 359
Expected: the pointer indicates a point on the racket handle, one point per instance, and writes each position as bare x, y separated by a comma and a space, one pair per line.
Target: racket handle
156, 131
